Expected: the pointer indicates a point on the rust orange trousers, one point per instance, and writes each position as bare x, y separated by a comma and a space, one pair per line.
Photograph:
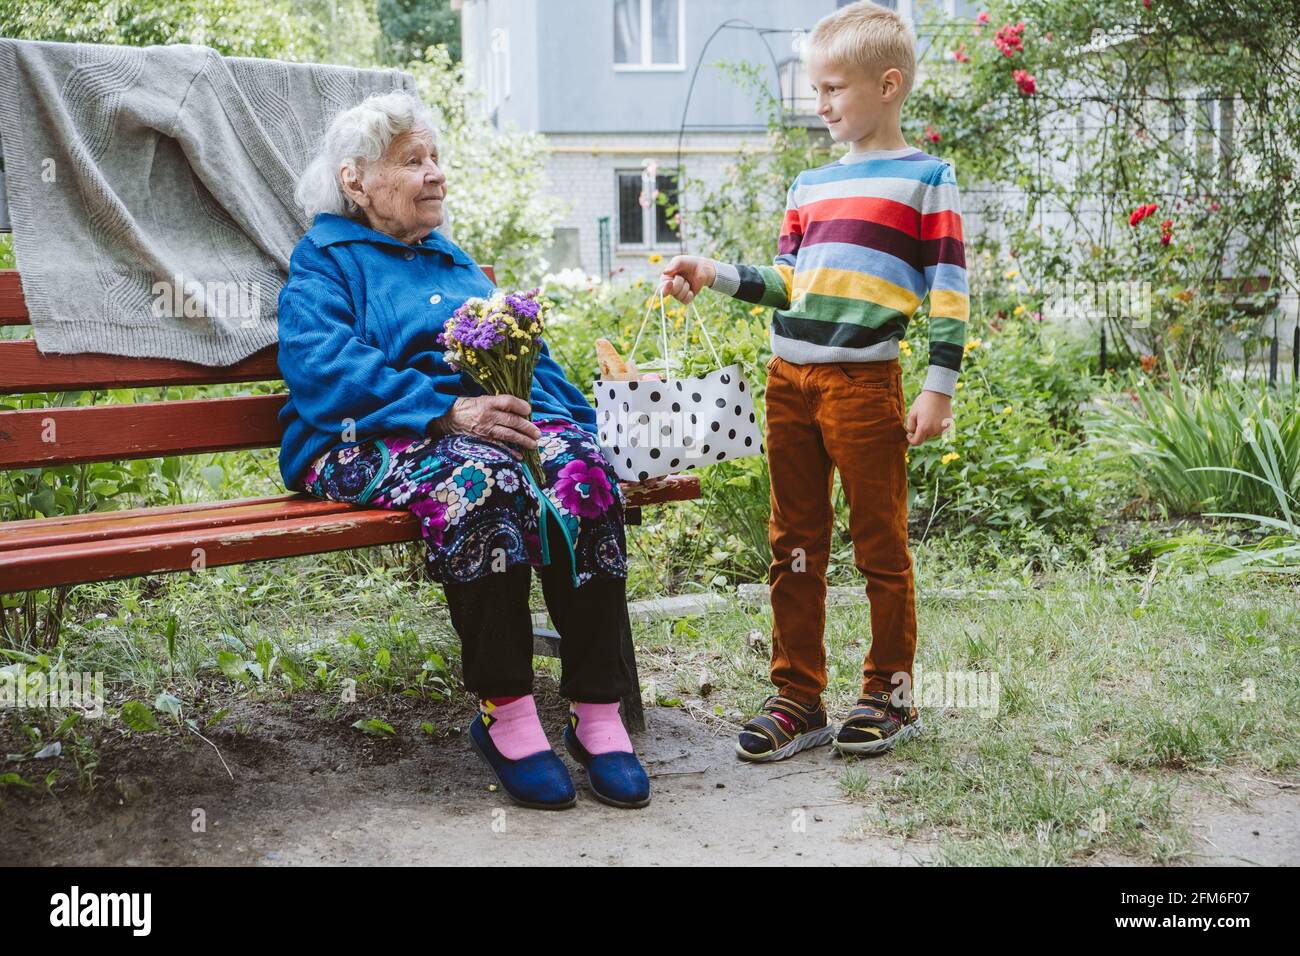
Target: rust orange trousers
822, 418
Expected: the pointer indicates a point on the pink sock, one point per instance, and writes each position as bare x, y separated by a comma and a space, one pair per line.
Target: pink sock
599, 728
513, 726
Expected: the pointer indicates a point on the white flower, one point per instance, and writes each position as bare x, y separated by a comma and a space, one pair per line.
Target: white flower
550, 446
569, 279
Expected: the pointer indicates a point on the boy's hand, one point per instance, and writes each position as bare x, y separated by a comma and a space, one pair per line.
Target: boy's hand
931, 413
687, 275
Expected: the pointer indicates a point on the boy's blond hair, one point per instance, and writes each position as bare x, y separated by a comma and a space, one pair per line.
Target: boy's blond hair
866, 35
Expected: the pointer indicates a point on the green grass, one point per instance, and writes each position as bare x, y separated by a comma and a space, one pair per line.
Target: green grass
1109, 703
1107, 707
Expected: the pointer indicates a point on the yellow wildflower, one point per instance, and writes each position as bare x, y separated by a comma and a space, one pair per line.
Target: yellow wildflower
905, 347
972, 344
1017, 310
756, 310
1012, 273
655, 259
948, 458
1008, 410
961, 384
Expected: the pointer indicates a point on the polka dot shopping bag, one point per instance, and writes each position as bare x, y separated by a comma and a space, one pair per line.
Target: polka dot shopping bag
648, 429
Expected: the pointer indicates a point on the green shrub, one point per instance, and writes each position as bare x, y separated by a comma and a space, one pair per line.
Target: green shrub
1194, 449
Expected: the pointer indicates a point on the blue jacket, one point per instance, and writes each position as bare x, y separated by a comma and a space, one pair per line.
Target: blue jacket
358, 320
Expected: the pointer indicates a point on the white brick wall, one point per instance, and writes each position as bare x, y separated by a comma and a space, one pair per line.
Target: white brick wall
582, 172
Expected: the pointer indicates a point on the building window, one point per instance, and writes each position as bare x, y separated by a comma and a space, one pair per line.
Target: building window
649, 34
796, 88
643, 220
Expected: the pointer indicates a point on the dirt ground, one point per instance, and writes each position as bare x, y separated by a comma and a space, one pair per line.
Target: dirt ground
310, 789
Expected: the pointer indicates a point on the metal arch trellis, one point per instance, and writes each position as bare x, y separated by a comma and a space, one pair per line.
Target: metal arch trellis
732, 24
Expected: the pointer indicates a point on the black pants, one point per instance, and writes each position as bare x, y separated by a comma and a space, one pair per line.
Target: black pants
492, 618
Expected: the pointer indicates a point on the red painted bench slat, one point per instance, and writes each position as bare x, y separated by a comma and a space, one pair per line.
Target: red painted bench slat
81, 562
28, 370
143, 430
103, 525
13, 308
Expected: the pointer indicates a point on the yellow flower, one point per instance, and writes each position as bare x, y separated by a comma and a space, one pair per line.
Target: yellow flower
961, 384
1008, 410
1012, 273
950, 457
1017, 310
756, 310
905, 347
972, 344
907, 459
655, 259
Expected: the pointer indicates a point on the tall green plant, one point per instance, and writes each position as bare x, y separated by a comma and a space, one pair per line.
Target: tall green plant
1197, 450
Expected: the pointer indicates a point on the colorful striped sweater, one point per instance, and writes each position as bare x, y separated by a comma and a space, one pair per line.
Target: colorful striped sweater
864, 240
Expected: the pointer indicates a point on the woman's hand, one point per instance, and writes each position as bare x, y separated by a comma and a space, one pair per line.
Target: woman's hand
499, 418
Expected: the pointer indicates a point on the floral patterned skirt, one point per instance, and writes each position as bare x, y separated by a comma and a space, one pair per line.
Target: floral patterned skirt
479, 510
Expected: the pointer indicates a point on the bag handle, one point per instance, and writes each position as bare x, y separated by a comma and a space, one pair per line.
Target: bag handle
663, 323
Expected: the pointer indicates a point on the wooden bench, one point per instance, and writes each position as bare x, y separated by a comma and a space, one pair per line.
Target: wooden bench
57, 551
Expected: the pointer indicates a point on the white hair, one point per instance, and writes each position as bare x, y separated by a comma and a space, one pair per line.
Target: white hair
355, 137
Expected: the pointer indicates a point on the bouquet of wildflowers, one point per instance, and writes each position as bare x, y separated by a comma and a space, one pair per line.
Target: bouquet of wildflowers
498, 341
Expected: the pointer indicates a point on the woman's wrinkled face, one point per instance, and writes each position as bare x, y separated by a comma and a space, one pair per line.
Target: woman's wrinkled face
402, 194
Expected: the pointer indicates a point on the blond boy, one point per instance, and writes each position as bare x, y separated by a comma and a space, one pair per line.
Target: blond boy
864, 240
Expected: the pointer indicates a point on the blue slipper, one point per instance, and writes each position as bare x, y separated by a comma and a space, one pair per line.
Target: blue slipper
616, 778
539, 781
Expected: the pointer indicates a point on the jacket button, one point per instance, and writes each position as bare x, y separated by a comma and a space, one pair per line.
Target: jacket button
409, 255
435, 299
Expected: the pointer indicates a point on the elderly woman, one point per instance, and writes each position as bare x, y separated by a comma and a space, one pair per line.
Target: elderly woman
376, 416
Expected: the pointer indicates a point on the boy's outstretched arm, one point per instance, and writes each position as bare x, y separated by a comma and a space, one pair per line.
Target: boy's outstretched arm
945, 279
768, 286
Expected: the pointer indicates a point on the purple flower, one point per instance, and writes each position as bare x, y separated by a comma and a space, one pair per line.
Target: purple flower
433, 515
584, 489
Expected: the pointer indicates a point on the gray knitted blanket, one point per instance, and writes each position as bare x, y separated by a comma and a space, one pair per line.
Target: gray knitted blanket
151, 190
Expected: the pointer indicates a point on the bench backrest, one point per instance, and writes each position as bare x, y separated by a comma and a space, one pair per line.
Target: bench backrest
138, 430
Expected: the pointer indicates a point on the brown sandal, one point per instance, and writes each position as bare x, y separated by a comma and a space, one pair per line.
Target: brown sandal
766, 737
